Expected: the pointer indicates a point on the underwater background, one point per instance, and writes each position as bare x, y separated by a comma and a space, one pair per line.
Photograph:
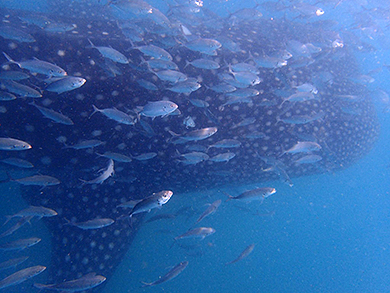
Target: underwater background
324, 230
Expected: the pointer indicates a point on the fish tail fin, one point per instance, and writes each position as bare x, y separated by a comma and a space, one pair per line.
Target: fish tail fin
68, 222
283, 152
131, 44
230, 196
32, 103
10, 60
145, 284
173, 133
91, 45
66, 146
95, 110
83, 181
187, 63
8, 218
143, 61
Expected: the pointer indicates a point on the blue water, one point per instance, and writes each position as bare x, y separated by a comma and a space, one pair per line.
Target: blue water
327, 233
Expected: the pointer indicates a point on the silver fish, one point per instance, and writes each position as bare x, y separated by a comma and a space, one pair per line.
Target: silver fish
174, 272
302, 147
195, 135
159, 108
154, 51
154, 201
16, 226
110, 53
210, 210
86, 282
116, 157
58, 27
66, 84
11, 33
5, 96
307, 87
13, 75
199, 103
38, 20
145, 156
20, 244
202, 45
21, 276
243, 254
33, 211
13, 262
245, 67
226, 143
225, 157
189, 122
244, 93
129, 204
21, 89
171, 76
245, 77
270, 62
203, 64
53, 115
104, 176
12, 144
200, 232
115, 115
185, 87
147, 85
38, 66
38, 180
255, 194
161, 64
193, 158
92, 224
223, 88
85, 144
17, 162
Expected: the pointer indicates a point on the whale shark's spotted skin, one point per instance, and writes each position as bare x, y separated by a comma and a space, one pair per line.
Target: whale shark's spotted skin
345, 136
